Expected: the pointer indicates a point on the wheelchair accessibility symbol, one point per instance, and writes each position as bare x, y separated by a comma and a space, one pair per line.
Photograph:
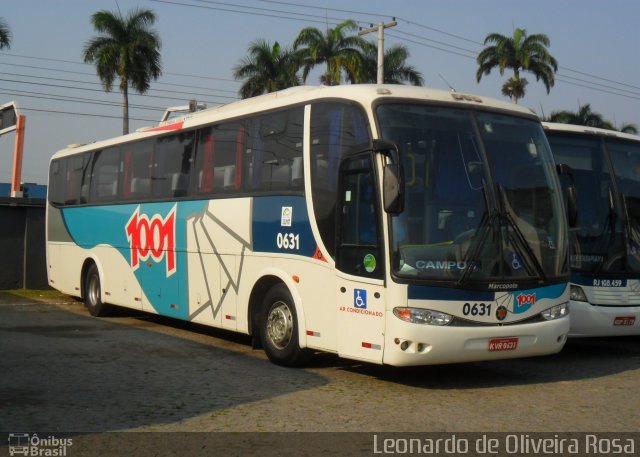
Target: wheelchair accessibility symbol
360, 298
515, 262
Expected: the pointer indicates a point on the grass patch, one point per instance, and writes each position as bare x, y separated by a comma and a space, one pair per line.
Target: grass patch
33, 294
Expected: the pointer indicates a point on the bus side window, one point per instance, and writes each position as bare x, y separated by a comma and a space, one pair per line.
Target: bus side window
277, 151
252, 154
86, 178
219, 157
57, 174
137, 169
227, 160
337, 129
359, 250
104, 175
172, 165
75, 172
203, 170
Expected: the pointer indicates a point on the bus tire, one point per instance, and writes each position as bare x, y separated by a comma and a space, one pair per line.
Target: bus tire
92, 293
279, 328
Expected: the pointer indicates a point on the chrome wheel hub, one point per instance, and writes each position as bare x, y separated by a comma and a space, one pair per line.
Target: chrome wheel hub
280, 325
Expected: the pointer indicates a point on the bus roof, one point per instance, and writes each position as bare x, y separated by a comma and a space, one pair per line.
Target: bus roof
571, 128
362, 93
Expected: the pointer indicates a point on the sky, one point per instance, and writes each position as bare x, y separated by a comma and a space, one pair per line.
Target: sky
595, 43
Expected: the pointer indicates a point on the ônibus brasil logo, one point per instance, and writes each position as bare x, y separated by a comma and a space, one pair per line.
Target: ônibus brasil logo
152, 237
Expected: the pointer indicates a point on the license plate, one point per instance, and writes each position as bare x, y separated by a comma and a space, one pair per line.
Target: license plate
624, 321
610, 283
503, 344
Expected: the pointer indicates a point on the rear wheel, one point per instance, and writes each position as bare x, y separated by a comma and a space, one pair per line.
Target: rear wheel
93, 294
279, 328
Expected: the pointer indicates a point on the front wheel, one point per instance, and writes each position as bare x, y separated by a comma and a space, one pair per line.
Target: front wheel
93, 294
279, 328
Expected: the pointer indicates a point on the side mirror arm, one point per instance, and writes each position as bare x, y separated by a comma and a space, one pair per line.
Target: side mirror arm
572, 194
393, 177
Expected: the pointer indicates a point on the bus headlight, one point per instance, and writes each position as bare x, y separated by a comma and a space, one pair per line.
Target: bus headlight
577, 294
422, 316
555, 312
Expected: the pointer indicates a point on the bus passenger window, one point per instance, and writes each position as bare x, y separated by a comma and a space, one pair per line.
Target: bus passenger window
276, 142
219, 158
137, 170
172, 165
204, 161
104, 175
227, 160
74, 181
57, 174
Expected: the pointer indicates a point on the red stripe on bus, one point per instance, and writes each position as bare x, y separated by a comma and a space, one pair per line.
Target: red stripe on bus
175, 126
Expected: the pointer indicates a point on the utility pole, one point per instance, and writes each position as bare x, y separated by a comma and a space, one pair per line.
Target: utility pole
380, 28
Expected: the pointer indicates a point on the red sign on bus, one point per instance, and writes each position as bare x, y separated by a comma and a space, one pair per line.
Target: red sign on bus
152, 237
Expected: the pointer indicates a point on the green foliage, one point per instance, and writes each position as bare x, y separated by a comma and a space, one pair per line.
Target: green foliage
127, 49
395, 71
519, 52
267, 69
339, 51
629, 128
5, 35
347, 58
584, 116
514, 88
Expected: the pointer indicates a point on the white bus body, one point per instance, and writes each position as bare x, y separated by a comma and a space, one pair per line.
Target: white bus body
267, 217
605, 262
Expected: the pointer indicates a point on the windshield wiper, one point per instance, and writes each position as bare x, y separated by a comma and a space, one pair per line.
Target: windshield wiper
628, 234
609, 229
520, 239
471, 258
517, 238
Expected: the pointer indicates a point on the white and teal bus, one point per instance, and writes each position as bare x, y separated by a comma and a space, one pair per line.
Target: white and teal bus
386, 224
604, 167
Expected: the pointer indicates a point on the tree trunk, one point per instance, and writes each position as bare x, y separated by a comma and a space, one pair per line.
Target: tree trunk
125, 109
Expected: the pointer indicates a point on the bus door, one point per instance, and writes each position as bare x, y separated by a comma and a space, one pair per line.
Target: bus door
359, 262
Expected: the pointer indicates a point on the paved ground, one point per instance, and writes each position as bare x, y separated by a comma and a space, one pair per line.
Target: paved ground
64, 371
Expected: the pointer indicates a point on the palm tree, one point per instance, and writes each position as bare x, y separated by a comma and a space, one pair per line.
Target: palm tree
520, 52
395, 71
267, 69
629, 128
5, 35
126, 48
340, 52
584, 116
514, 88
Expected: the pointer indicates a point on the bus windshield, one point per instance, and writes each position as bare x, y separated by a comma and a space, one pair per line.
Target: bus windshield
481, 200
606, 239
625, 156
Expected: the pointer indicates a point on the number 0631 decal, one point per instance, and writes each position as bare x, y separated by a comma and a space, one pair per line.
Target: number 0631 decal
288, 241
